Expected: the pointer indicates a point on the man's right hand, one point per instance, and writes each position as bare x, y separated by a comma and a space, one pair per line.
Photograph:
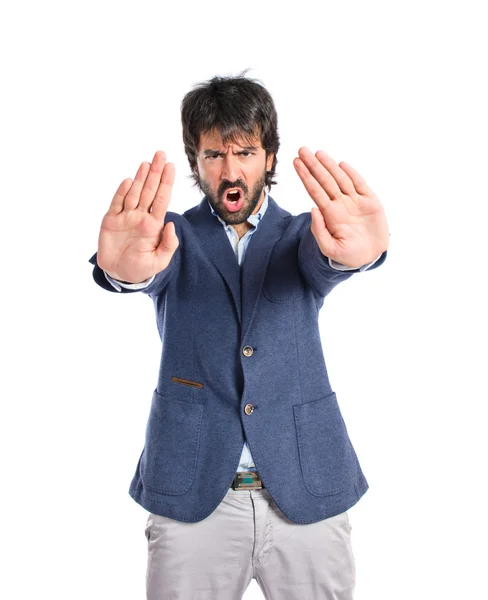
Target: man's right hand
130, 245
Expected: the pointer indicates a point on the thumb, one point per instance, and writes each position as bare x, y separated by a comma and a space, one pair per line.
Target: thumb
168, 244
321, 233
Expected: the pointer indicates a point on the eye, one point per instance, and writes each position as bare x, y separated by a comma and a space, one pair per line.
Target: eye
212, 156
245, 153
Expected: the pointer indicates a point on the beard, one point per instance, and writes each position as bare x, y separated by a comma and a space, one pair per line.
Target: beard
250, 200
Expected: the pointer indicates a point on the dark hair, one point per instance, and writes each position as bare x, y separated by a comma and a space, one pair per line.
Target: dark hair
236, 107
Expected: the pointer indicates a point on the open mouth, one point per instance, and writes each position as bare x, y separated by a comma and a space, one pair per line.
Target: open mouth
233, 199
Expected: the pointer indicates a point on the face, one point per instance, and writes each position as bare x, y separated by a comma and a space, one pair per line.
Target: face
232, 176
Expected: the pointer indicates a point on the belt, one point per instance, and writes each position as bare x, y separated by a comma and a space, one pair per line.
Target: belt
247, 480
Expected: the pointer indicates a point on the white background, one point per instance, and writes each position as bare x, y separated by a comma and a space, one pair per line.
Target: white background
90, 90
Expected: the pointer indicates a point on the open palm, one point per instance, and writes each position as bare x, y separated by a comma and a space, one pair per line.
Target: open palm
349, 222
134, 244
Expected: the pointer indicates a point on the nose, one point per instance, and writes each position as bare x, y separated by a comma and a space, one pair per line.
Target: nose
230, 167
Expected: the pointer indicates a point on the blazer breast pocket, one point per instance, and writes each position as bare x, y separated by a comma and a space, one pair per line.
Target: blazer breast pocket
284, 281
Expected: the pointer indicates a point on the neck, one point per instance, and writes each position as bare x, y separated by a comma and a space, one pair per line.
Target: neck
242, 228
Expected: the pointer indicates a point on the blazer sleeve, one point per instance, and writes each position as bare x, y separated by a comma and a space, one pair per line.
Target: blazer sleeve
315, 266
156, 287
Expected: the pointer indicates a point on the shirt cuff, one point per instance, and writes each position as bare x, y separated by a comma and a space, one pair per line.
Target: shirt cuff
118, 285
340, 267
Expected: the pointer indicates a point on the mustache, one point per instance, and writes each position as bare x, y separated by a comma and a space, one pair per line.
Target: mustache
227, 185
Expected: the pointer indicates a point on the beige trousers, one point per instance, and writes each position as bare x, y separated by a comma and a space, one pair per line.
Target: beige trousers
246, 537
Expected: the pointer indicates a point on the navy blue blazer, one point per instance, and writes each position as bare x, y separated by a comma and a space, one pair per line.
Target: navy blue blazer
208, 308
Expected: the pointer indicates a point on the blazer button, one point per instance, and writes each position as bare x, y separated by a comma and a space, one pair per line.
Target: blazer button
248, 409
247, 351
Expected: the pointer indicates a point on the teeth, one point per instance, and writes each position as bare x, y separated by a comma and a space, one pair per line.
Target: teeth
233, 197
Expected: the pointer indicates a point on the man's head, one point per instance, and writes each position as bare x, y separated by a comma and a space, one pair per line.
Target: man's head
231, 139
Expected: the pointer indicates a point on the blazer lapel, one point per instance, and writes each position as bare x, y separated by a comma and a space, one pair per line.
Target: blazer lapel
256, 259
216, 244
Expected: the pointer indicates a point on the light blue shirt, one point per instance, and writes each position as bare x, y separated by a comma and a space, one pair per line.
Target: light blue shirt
239, 246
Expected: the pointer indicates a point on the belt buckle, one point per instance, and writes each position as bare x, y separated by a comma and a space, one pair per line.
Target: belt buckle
247, 480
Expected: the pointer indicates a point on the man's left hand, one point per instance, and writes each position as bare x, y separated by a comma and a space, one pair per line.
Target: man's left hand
349, 222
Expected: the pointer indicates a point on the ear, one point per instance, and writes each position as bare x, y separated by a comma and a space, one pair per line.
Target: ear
269, 161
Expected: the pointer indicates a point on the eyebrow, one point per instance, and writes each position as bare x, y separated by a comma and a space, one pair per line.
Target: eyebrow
210, 151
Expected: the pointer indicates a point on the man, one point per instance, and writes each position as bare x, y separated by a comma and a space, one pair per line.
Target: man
247, 469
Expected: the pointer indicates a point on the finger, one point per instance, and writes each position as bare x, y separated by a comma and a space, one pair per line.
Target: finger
341, 177
117, 204
359, 183
163, 194
153, 180
131, 199
321, 174
314, 189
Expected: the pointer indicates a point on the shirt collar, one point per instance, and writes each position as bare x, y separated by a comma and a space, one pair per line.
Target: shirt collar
253, 219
